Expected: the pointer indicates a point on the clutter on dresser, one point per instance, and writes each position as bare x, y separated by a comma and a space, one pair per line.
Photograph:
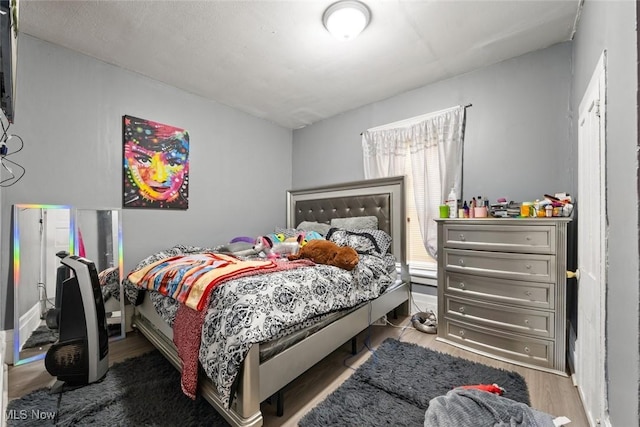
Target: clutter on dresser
477, 207
504, 209
557, 205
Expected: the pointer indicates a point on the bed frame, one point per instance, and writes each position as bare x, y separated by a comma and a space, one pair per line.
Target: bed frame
383, 198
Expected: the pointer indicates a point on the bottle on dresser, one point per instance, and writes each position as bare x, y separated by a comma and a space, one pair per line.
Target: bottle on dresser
452, 201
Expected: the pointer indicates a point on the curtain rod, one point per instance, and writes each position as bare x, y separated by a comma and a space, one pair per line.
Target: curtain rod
465, 107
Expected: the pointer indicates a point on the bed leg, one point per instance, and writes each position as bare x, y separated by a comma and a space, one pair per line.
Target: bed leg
354, 346
280, 403
248, 402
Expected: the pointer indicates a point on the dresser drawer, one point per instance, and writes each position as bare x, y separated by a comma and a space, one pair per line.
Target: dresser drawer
507, 238
530, 267
527, 350
528, 294
511, 319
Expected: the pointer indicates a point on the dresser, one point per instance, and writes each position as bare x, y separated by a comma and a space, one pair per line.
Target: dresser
502, 288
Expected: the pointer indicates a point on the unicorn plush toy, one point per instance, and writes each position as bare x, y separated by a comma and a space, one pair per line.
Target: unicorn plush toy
275, 249
305, 237
277, 245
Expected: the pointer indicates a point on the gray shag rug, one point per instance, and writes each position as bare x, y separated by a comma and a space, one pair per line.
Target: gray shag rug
41, 336
142, 391
394, 387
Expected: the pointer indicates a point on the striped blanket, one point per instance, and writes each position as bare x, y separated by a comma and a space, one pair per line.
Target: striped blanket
190, 278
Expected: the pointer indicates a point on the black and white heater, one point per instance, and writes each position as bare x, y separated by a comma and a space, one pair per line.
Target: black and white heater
80, 356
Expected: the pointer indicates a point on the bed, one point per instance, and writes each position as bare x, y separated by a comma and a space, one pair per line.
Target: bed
269, 365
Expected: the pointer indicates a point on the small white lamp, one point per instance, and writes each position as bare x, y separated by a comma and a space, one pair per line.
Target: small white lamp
346, 19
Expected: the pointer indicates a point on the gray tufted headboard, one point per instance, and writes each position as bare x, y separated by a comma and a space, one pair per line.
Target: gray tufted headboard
382, 198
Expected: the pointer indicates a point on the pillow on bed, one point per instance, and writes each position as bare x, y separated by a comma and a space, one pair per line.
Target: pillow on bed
356, 223
366, 241
318, 227
287, 232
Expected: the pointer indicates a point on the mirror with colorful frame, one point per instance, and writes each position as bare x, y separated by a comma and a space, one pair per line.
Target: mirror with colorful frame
40, 232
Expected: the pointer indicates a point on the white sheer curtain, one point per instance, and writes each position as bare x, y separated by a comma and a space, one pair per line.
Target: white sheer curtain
434, 142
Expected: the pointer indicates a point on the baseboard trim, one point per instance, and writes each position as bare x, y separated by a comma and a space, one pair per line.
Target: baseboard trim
4, 378
7, 338
4, 398
29, 322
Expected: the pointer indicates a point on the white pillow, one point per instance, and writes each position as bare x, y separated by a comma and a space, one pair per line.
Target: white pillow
318, 227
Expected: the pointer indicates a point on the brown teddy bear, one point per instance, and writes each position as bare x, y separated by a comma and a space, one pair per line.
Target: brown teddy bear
327, 252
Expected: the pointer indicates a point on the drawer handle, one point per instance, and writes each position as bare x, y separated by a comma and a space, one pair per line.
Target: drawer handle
461, 309
461, 261
527, 350
461, 333
528, 238
528, 266
462, 238
526, 321
528, 293
462, 285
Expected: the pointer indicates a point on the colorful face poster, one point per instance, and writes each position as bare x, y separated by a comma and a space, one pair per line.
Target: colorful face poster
156, 165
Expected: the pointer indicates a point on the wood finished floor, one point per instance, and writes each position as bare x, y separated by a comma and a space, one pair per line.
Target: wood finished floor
551, 393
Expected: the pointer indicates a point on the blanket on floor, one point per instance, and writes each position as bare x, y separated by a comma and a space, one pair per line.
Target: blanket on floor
466, 407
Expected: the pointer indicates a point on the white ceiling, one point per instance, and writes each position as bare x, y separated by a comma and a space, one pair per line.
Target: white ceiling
275, 60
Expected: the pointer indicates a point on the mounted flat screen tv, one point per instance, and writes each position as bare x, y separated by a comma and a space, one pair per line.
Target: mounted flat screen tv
8, 58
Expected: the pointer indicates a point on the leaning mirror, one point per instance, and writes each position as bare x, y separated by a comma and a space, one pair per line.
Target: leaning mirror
39, 232
98, 238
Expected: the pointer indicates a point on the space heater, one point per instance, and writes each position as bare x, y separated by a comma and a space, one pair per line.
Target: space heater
80, 356
63, 272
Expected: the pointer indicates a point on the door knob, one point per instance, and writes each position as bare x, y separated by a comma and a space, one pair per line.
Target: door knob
573, 274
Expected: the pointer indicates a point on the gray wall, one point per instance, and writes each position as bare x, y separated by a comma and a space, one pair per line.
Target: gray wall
69, 111
516, 138
612, 26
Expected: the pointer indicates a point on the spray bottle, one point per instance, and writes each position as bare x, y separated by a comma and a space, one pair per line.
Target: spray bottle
452, 201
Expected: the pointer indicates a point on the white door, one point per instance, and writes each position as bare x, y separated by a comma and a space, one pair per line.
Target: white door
590, 342
57, 228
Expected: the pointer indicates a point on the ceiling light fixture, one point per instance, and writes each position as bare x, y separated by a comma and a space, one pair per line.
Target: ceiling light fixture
346, 19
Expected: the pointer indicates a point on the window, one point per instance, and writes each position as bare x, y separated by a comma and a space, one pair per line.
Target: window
421, 264
434, 144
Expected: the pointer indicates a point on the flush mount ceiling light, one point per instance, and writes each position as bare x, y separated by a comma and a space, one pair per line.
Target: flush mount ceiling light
346, 19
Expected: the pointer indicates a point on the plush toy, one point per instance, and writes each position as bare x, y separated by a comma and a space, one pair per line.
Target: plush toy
242, 239
491, 388
323, 251
238, 248
306, 236
274, 248
275, 237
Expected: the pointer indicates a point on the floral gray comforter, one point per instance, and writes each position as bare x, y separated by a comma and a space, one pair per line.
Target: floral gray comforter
260, 308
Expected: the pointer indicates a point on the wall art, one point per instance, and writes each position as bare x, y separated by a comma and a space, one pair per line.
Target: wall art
156, 165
